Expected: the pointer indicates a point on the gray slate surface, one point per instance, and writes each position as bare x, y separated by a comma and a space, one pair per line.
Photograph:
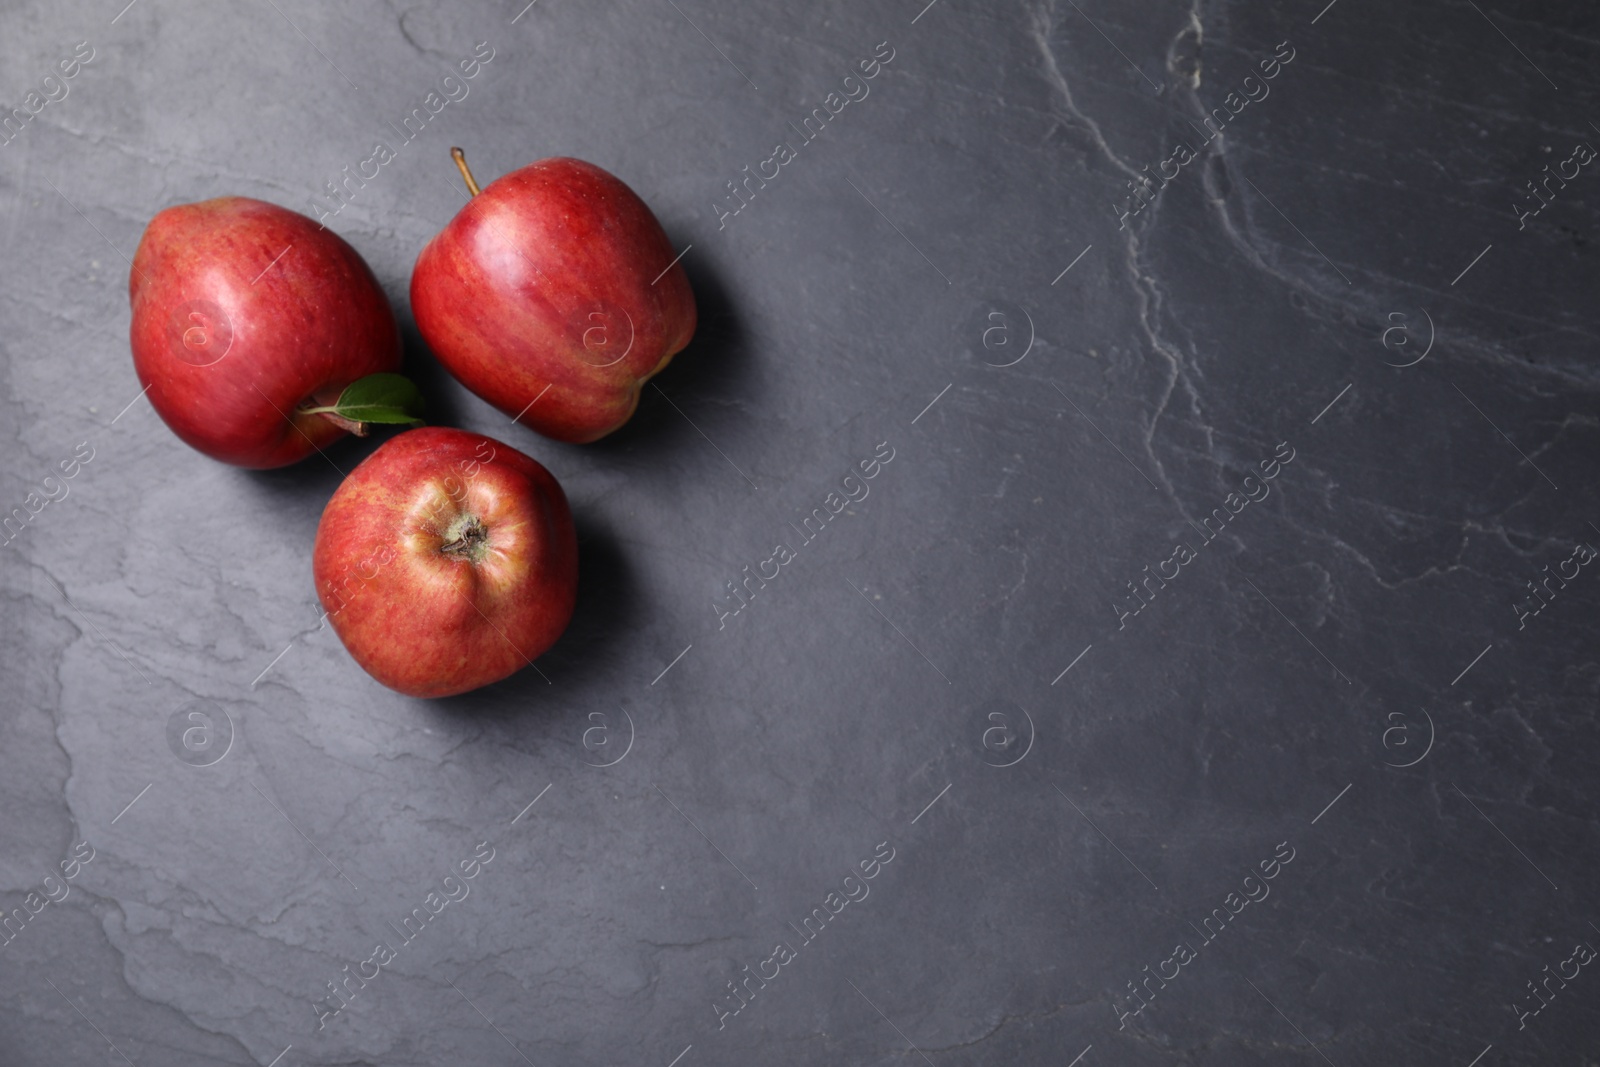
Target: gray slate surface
1067, 794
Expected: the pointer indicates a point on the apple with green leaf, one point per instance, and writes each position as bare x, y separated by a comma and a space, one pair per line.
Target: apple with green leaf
261, 336
555, 295
446, 561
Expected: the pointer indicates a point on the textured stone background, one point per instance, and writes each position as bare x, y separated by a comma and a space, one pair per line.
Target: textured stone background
1055, 830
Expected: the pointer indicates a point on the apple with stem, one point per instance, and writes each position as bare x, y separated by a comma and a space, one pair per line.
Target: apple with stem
555, 295
446, 561
259, 335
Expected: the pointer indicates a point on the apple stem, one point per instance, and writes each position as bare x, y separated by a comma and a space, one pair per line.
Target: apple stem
384, 397
360, 429
466, 175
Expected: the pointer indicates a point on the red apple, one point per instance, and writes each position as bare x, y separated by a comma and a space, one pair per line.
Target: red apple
446, 561
554, 295
245, 317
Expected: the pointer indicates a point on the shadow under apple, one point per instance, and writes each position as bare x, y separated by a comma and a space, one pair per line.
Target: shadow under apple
441, 393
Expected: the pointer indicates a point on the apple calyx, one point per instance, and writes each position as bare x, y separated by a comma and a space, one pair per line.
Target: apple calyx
466, 174
468, 536
377, 398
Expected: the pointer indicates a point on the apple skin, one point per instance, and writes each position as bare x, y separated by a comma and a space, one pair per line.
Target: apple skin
539, 293
228, 348
428, 619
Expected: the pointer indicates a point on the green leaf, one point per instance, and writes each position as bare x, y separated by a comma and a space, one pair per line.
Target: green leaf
388, 398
